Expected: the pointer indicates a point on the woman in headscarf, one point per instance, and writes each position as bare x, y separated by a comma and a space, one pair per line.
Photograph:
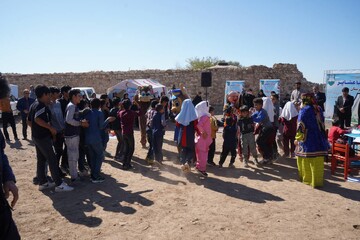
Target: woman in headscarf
203, 139
186, 121
288, 119
312, 144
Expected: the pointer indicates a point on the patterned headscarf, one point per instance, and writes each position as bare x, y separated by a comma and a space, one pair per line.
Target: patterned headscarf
308, 99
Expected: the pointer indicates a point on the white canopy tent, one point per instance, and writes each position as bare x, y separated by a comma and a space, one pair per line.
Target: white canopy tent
130, 86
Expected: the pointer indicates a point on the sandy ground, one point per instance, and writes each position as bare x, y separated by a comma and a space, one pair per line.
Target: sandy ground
153, 203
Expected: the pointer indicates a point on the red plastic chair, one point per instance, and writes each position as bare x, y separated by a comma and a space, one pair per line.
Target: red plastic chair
341, 157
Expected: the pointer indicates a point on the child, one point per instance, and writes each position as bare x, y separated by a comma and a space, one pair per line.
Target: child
83, 156
265, 137
335, 132
73, 123
214, 128
105, 132
93, 140
230, 142
246, 126
115, 125
288, 118
127, 118
203, 140
157, 126
149, 117
275, 101
186, 121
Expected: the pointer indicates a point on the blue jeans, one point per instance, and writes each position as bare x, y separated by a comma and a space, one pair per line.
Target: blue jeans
96, 156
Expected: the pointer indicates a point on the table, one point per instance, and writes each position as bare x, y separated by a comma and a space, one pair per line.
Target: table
351, 137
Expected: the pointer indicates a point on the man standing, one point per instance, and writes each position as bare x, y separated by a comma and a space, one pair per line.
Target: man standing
343, 107
296, 95
320, 97
23, 105
8, 229
42, 134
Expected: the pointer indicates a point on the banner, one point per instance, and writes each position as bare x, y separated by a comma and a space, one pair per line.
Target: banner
335, 82
269, 85
233, 85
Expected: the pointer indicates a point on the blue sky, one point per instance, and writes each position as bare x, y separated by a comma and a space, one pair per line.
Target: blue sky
44, 36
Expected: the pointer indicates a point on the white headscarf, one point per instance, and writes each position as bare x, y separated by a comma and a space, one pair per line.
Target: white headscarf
269, 107
289, 111
202, 109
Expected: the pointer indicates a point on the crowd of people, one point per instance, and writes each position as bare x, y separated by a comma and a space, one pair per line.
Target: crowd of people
70, 133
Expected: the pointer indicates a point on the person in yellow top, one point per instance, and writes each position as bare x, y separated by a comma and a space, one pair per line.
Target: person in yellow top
214, 128
7, 117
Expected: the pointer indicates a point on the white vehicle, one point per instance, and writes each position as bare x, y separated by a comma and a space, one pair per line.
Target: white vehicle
87, 91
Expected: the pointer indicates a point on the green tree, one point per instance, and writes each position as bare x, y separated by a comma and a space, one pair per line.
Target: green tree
197, 63
203, 63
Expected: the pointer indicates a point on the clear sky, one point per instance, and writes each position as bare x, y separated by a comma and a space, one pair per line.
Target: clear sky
46, 36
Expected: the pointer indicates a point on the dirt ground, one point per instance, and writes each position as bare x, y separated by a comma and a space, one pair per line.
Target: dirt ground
151, 203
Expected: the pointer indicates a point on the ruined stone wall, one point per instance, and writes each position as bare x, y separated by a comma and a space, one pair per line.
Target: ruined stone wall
287, 73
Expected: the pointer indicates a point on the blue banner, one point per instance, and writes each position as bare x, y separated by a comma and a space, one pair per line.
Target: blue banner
269, 85
335, 82
233, 85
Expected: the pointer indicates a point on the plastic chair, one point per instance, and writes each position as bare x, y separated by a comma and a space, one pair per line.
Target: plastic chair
341, 156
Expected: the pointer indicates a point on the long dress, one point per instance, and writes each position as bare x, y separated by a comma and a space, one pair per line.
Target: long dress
202, 144
312, 146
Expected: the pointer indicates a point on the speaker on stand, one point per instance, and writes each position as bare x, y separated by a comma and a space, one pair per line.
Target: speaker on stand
206, 79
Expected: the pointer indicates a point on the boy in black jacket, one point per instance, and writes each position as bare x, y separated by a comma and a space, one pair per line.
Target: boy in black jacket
230, 142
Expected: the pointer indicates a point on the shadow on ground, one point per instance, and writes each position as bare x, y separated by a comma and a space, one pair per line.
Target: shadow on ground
76, 206
231, 189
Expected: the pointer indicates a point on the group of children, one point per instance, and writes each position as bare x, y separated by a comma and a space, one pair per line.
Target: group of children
198, 127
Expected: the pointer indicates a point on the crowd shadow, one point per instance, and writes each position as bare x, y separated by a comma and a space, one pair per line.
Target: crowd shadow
284, 169
231, 189
146, 170
76, 206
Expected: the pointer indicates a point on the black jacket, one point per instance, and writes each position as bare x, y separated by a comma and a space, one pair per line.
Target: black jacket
347, 105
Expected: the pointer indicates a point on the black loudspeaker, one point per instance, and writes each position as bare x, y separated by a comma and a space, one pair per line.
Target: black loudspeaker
206, 79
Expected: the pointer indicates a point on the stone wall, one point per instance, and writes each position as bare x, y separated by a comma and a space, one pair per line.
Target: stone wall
287, 73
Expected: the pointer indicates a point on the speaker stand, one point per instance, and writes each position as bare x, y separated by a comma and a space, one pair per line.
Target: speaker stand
206, 96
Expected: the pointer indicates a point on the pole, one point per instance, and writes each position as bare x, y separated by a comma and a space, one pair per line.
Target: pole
206, 95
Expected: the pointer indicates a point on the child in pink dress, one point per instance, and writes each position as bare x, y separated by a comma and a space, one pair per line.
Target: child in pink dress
203, 139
